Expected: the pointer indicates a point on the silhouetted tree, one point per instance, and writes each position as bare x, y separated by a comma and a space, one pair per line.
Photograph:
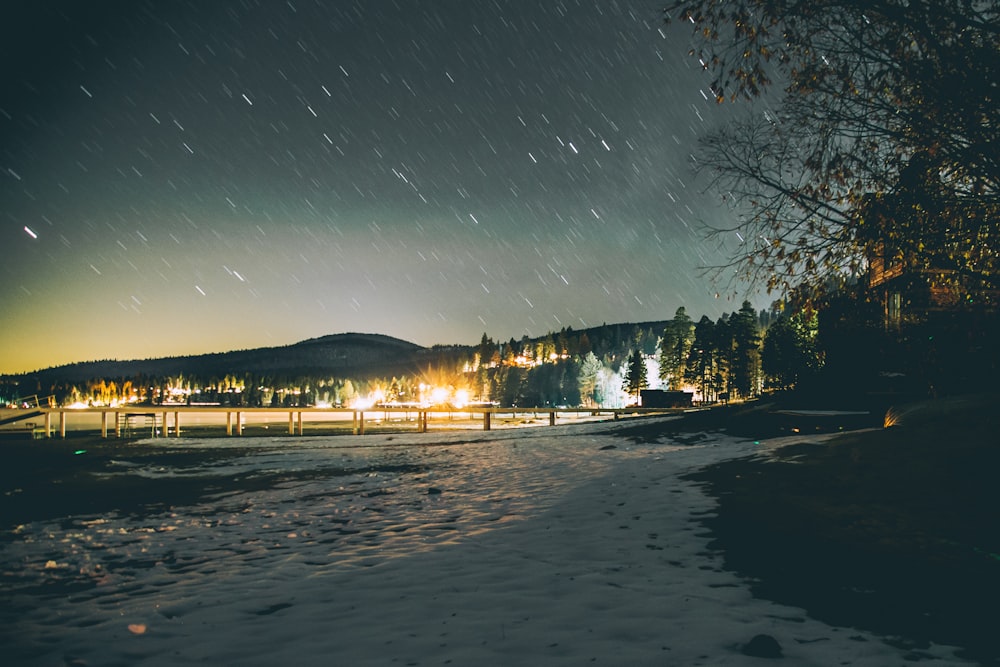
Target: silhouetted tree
789, 352
635, 375
675, 346
722, 348
486, 350
744, 367
884, 141
570, 383
700, 367
511, 383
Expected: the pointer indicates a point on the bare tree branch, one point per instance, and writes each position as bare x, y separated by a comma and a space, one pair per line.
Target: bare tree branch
886, 136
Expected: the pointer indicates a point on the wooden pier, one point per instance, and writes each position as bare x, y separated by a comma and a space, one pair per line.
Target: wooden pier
172, 421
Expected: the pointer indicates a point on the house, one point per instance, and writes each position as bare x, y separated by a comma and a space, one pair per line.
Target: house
660, 398
912, 296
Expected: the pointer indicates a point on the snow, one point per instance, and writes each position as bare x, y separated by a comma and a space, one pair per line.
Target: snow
539, 546
821, 413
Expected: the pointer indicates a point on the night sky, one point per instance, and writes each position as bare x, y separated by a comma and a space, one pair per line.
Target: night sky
189, 177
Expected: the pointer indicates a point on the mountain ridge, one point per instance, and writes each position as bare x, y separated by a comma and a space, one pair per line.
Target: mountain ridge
340, 354
332, 353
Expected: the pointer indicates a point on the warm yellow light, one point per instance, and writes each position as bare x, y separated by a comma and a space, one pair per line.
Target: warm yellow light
439, 396
461, 399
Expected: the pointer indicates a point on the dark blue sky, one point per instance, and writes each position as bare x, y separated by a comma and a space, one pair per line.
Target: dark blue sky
192, 177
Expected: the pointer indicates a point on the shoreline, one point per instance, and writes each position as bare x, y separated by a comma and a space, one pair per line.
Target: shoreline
890, 530
609, 561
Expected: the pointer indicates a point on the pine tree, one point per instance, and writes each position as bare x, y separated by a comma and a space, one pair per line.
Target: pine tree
675, 347
700, 366
745, 365
635, 376
590, 367
789, 351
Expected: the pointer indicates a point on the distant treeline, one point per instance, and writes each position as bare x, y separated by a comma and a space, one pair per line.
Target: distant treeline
568, 367
843, 351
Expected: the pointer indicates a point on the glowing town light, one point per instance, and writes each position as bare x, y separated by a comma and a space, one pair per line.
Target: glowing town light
439, 396
362, 403
461, 399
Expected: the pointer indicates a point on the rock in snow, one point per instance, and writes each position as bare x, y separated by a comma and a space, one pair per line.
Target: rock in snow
763, 646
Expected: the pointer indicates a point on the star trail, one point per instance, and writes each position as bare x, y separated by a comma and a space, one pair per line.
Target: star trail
179, 178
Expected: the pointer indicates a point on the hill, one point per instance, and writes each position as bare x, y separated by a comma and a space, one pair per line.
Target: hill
337, 354
544, 370
354, 354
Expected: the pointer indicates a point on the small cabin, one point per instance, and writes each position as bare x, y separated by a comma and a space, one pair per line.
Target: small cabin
662, 398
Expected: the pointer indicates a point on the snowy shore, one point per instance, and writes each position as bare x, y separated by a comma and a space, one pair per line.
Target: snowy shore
559, 546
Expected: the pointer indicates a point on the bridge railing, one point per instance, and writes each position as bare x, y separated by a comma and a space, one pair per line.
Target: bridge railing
171, 421
35, 401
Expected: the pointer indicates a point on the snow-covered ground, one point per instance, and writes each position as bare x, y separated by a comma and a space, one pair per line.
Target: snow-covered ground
554, 546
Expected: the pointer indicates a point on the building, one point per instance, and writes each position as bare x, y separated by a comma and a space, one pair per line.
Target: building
661, 398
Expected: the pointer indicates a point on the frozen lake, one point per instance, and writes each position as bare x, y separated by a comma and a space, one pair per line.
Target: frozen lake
553, 546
